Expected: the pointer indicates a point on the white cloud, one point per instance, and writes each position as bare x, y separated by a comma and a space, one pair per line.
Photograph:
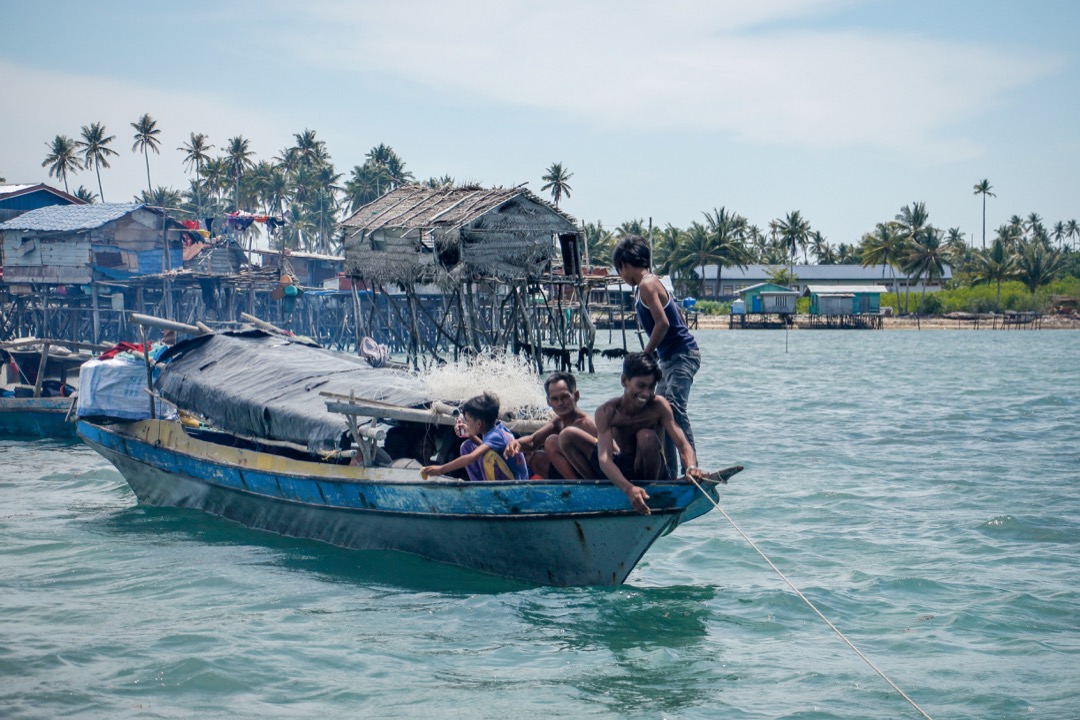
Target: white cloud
750, 70
41, 104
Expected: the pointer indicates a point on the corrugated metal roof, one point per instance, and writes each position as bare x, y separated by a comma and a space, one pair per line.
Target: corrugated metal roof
779, 289
12, 189
844, 289
8, 192
806, 273
70, 218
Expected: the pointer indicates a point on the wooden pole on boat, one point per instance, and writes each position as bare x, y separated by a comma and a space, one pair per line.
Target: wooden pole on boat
96, 312
162, 324
41, 368
149, 369
263, 325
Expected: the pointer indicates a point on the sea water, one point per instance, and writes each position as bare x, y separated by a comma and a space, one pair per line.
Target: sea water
920, 488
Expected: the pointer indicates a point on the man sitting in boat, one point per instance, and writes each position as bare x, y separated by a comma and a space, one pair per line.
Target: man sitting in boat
633, 423
544, 456
482, 451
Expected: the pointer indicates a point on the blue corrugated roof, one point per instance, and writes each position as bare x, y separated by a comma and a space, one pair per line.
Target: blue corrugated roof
70, 218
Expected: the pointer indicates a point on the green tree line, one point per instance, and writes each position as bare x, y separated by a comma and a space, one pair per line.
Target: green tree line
302, 185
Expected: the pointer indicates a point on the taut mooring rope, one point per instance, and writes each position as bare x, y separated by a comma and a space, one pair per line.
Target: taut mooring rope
808, 602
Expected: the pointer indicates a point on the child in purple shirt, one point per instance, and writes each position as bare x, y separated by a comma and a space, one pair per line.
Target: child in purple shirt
482, 453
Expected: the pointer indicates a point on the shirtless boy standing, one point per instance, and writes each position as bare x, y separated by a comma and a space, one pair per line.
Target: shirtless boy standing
632, 423
547, 459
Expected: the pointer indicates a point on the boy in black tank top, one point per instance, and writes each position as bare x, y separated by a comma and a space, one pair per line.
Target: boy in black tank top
677, 351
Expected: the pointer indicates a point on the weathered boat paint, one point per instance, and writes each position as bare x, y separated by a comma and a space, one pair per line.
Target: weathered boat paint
36, 418
548, 532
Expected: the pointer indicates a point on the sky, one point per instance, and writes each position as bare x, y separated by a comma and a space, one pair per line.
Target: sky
845, 110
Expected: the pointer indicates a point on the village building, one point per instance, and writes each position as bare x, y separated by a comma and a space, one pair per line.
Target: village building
845, 305
18, 199
765, 298
306, 268
734, 279
73, 244
485, 251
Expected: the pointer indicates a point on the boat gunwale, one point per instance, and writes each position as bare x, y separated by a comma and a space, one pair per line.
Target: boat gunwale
486, 486
442, 480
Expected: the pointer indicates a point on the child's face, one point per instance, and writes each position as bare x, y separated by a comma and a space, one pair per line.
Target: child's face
474, 426
561, 400
639, 389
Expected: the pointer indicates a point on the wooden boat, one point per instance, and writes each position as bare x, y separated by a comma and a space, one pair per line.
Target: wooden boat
37, 381
272, 436
580, 532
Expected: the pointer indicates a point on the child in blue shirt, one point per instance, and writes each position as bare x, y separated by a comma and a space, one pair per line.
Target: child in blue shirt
487, 439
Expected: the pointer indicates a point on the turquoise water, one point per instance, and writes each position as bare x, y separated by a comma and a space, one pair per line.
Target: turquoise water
920, 487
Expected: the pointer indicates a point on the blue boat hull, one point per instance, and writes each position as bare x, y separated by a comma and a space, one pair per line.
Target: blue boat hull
552, 533
36, 418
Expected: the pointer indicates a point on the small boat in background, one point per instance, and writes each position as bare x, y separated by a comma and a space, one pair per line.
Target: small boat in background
38, 379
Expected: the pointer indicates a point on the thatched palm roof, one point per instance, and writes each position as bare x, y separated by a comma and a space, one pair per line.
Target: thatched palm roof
417, 233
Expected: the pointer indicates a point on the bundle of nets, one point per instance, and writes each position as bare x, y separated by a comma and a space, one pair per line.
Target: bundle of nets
512, 379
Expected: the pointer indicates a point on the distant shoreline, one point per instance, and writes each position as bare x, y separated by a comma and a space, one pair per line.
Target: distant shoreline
1047, 322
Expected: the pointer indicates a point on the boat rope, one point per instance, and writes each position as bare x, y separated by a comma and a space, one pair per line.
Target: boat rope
808, 602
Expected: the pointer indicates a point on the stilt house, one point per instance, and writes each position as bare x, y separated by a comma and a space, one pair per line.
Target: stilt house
485, 251
75, 244
416, 233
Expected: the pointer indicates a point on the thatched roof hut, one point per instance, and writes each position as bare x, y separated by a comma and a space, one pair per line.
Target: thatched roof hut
421, 234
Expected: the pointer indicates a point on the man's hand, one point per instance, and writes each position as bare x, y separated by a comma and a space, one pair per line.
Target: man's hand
638, 496
430, 470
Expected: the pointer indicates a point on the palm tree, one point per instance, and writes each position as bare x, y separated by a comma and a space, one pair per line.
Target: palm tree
599, 244
442, 183
85, 195
146, 132
1072, 230
63, 158
926, 260
196, 152
96, 150
379, 157
845, 255
556, 181
310, 150
162, 197
823, 253
362, 187
1034, 225
632, 227
326, 200
956, 248
666, 247
238, 155
794, 233
1016, 227
726, 229
983, 188
884, 246
1059, 233
395, 169
1037, 265
996, 264
913, 221
696, 252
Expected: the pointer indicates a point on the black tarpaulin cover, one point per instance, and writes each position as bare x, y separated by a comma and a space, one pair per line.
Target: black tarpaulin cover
267, 386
